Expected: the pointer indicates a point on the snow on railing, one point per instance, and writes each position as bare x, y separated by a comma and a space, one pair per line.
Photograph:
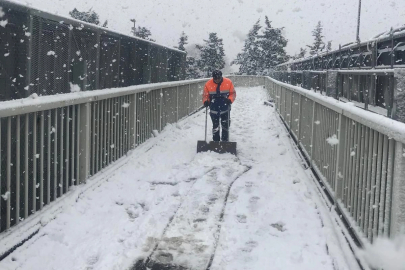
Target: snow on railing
49, 144
359, 156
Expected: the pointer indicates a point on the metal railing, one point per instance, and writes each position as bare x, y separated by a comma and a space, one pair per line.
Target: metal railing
370, 89
52, 143
359, 156
384, 51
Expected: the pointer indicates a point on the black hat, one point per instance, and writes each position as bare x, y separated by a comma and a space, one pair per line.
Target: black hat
216, 74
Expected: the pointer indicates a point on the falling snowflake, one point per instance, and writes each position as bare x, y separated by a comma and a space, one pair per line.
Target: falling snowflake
6, 54
3, 23
1, 12
6, 195
125, 105
37, 156
37, 185
352, 153
27, 34
112, 146
317, 122
50, 53
333, 140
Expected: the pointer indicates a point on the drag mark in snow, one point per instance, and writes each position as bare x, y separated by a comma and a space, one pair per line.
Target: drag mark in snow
142, 264
221, 218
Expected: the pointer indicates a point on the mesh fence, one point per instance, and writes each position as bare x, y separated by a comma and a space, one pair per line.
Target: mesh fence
46, 54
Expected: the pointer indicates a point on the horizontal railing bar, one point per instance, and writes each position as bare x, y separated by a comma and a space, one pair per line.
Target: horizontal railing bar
382, 124
29, 105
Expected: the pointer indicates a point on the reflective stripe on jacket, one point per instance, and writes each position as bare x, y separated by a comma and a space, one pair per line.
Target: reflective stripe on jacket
226, 90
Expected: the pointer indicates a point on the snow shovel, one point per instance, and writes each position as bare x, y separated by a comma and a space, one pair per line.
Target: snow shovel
218, 147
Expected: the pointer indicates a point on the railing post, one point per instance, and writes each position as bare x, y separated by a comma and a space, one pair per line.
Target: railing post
398, 110
189, 99
177, 103
84, 141
160, 110
312, 132
397, 225
339, 156
132, 124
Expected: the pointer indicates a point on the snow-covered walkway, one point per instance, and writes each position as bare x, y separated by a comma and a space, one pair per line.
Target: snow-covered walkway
169, 205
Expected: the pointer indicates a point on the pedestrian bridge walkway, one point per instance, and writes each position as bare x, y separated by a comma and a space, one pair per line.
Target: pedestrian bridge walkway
163, 204
146, 200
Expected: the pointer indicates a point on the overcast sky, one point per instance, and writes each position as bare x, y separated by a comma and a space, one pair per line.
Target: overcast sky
232, 19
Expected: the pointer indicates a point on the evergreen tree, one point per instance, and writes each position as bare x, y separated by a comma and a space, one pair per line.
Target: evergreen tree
249, 59
301, 54
318, 45
89, 16
273, 45
192, 70
329, 47
182, 42
144, 33
211, 55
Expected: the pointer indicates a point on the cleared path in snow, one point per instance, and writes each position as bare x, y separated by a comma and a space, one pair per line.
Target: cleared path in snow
169, 205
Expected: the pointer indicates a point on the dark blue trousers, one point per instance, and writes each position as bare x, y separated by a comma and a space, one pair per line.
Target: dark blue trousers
220, 112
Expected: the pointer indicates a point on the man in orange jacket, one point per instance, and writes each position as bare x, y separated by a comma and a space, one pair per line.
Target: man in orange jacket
219, 94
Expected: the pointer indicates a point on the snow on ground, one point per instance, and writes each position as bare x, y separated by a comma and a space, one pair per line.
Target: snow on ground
166, 204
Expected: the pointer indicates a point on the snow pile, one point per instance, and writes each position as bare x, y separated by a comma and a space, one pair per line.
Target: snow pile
386, 254
333, 140
74, 88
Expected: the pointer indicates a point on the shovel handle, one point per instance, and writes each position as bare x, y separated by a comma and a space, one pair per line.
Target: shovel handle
206, 119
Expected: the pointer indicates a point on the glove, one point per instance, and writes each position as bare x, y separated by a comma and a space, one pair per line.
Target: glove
228, 101
206, 103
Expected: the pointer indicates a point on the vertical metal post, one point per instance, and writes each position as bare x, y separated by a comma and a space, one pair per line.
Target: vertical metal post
72, 154
160, 110
67, 167
312, 132
189, 99
41, 159
8, 183
61, 159
18, 171
48, 159
34, 164
398, 192
358, 23
84, 130
55, 156
339, 155
132, 123
26, 158
177, 103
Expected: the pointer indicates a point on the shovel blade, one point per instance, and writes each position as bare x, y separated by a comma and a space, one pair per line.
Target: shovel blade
218, 147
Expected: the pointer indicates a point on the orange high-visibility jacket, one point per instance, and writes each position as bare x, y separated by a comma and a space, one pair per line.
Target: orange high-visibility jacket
225, 91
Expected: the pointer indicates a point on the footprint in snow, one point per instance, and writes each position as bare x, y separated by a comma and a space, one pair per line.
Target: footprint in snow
241, 218
249, 246
254, 199
279, 226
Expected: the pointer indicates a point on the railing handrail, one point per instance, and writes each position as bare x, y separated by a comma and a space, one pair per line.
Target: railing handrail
382, 124
28, 105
